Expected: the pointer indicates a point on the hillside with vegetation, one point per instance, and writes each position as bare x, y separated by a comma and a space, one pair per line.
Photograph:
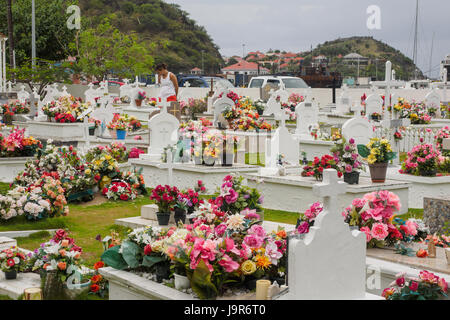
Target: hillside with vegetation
377, 51
165, 30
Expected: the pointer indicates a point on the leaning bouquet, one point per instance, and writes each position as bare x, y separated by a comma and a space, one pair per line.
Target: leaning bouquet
120, 190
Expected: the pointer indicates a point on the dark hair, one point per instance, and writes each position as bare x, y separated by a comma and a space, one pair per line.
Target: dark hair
161, 66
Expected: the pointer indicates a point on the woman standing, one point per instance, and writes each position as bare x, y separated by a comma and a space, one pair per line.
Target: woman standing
168, 84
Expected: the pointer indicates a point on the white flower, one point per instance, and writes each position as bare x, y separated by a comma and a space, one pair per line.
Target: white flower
236, 222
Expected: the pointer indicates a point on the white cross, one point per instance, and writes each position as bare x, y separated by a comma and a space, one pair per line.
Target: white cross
393, 125
357, 108
330, 189
282, 116
187, 84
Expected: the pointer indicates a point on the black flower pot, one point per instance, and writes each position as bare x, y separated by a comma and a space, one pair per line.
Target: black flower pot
11, 275
352, 177
92, 131
162, 272
180, 215
251, 284
163, 218
428, 172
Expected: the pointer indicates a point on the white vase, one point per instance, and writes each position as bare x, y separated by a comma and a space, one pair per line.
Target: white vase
181, 282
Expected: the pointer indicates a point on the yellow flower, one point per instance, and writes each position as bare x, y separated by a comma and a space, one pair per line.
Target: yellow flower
110, 168
88, 171
248, 267
108, 157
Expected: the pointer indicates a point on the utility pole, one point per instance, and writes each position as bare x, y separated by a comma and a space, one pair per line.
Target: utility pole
203, 63
243, 51
431, 55
416, 40
33, 34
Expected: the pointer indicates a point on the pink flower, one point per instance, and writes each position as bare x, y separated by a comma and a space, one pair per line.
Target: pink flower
358, 203
273, 253
232, 196
379, 231
303, 227
228, 264
230, 246
400, 281
366, 230
253, 241
411, 228
220, 229
413, 286
257, 230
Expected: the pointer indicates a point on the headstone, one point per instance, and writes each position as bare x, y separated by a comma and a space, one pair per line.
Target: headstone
90, 94
281, 143
185, 94
343, 103
273, 106
433, 100
134, 93
307, 113
374, 104
104, 114
392, 126
358, 128
125, 90
330, 262
64, 92
219, 107
282, 94
265, 91
22, 95
163, 132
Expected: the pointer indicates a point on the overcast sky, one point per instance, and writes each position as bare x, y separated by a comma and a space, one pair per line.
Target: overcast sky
295, 25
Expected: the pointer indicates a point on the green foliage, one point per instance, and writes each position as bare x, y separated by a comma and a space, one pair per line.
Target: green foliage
363, 151
150, 261
52, 34
201, 282
130, 253
104, 49
114, 259
44, 73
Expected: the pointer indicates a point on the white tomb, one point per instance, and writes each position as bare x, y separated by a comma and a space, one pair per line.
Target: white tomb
343, 103
358, 128
307, 113
330, 262
433, 100
273, 106
374, 104
282, 143
163, 132
220, 105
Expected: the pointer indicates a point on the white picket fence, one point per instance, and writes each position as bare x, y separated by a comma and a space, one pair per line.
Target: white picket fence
412, 135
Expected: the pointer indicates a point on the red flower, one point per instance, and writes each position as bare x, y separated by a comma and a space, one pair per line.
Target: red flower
148, 250
95, 288
124, 197
98, 265
105, 190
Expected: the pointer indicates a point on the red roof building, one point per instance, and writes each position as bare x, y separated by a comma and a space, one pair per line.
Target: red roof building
245, 67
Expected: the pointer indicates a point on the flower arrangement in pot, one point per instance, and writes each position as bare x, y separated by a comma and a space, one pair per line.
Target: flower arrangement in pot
375, 116
121, 129
427, 286
348, 160
422, 160
165, 198
316, 170
378, 152
229, 146
141, 97
12, 261
8, 114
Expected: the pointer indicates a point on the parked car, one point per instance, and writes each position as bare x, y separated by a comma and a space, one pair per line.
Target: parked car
275, 81
112, 83
224, 82
194, 81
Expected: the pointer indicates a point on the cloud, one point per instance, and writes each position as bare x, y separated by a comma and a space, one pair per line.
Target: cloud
295, 25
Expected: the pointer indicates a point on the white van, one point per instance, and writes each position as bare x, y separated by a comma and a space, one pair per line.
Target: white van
275, 81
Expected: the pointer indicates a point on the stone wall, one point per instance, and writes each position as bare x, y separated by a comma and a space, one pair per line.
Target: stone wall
436, 213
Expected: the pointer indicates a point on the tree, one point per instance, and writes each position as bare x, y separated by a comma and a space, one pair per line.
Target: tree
10, 31
105, 50
52, 34
45, 72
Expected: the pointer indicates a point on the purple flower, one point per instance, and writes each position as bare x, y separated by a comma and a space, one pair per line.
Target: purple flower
246, 196
98, 238
351, 141
303, 227
261, 200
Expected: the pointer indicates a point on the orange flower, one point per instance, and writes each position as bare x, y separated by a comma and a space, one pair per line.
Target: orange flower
64, 243
95, 288
99, 265
62, 266
282, 234
262, 262
62, 252
45, 266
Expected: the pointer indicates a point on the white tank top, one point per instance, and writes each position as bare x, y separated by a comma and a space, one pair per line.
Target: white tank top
167, 87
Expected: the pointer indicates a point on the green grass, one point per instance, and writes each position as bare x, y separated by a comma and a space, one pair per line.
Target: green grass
4, 187
84, 224
4, 297
281, 216
412, 213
